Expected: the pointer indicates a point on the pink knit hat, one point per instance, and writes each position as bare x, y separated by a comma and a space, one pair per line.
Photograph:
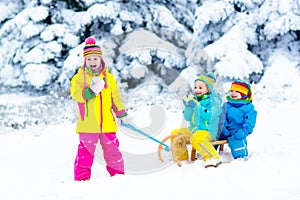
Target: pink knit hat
91, 47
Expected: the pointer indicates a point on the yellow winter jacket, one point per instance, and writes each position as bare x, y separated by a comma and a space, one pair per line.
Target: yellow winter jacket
95, 112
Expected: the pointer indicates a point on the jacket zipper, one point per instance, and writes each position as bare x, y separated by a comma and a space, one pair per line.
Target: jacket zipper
101, 113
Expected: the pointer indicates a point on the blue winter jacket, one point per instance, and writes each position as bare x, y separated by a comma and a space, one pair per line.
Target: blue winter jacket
238, 118
203, 114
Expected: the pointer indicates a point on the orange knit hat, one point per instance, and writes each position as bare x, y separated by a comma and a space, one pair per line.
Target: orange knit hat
243, 88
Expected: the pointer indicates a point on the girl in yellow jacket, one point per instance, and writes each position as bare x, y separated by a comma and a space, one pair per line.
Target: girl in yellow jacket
96, 92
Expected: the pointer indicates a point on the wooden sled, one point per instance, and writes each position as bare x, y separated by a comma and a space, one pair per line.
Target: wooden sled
185, 141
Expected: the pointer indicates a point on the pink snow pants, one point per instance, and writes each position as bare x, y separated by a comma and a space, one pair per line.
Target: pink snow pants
86, 150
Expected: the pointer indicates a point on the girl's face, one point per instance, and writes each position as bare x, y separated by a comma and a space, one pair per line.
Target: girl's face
200, 88
93, 62
234, 94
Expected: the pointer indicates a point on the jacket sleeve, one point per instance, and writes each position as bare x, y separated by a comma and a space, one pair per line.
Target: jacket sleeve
223, 127
250, 120
77, 90
249, 123
187, 113
117, 104
190, 107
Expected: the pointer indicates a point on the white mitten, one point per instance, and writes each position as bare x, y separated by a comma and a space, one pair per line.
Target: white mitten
97, 84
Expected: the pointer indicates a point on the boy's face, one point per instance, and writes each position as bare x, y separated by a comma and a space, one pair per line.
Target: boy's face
234, 94
93, 62
200, 88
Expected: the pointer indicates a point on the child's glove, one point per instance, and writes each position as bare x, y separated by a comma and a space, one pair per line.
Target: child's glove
190, 102
97, 84
240, 134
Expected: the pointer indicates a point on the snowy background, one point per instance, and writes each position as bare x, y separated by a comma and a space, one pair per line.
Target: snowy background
155, 49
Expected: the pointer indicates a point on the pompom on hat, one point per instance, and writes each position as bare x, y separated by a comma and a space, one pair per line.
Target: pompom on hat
209, 79
243, 88
91, 48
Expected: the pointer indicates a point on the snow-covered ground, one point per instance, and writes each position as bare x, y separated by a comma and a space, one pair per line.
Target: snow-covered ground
38, 145
37, 163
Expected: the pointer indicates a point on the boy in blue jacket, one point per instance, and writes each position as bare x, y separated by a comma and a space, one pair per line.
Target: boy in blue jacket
202, 111
238, 119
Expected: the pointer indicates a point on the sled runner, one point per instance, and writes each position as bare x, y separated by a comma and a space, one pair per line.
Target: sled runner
185, 141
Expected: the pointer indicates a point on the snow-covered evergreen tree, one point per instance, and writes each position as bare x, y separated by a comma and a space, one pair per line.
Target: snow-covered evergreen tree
42, 40
236, 33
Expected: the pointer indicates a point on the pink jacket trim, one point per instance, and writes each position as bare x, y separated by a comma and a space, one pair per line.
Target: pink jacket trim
119, 113
81, 110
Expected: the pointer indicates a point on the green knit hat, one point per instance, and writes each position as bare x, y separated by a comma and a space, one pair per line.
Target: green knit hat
209, 79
